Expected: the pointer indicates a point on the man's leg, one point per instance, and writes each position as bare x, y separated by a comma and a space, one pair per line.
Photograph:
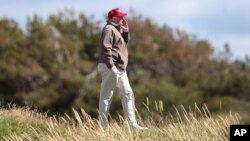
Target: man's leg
127, 97
128, 101
109, 82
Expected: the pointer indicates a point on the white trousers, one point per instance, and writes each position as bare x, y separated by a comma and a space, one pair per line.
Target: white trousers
110, 81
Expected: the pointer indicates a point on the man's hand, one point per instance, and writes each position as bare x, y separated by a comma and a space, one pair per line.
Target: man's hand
116, 71
124, 24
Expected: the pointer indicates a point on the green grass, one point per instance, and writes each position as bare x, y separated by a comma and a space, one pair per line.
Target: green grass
17, 124
17, 121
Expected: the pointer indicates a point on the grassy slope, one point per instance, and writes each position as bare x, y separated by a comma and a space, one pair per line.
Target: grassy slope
18, 121
23, 124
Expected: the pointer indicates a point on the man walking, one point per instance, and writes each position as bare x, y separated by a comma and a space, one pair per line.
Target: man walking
112, 65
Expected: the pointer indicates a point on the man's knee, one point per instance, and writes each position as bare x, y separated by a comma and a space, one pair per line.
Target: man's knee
128, 94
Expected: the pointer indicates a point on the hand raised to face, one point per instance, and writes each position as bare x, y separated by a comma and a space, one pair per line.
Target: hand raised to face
124, 23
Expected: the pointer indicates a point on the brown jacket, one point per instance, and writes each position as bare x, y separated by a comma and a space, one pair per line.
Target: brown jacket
113, 43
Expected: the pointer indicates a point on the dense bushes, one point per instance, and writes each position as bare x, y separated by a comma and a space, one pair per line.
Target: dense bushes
51, 65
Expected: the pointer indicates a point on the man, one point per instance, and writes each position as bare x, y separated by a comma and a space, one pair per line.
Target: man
112, 65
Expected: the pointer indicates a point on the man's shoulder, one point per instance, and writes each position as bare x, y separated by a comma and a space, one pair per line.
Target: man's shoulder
109, 27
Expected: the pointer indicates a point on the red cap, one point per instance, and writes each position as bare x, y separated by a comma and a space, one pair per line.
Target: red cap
116, 12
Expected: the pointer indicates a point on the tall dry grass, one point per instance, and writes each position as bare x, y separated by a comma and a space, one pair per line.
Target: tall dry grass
187, 124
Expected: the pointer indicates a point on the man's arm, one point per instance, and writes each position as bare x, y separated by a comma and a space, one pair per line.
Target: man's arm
107, 43
125, 34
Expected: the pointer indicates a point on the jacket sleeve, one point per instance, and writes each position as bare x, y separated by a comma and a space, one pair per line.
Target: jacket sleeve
107, 43
126, 35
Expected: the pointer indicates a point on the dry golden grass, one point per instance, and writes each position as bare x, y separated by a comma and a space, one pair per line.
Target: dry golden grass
186, 125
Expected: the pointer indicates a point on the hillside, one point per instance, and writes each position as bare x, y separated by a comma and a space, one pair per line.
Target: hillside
196, 125
52, 64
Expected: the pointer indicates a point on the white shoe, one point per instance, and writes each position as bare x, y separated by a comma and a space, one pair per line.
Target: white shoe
138, 127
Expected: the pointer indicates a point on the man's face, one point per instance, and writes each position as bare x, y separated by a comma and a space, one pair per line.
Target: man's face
117, 20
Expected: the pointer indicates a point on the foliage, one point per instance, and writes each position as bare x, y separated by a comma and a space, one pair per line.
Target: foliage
52, 65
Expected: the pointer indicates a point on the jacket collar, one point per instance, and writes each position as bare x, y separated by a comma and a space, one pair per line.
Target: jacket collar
117, 26
114, 24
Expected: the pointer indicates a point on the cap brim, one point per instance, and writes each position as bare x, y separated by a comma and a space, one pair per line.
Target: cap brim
122, 15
